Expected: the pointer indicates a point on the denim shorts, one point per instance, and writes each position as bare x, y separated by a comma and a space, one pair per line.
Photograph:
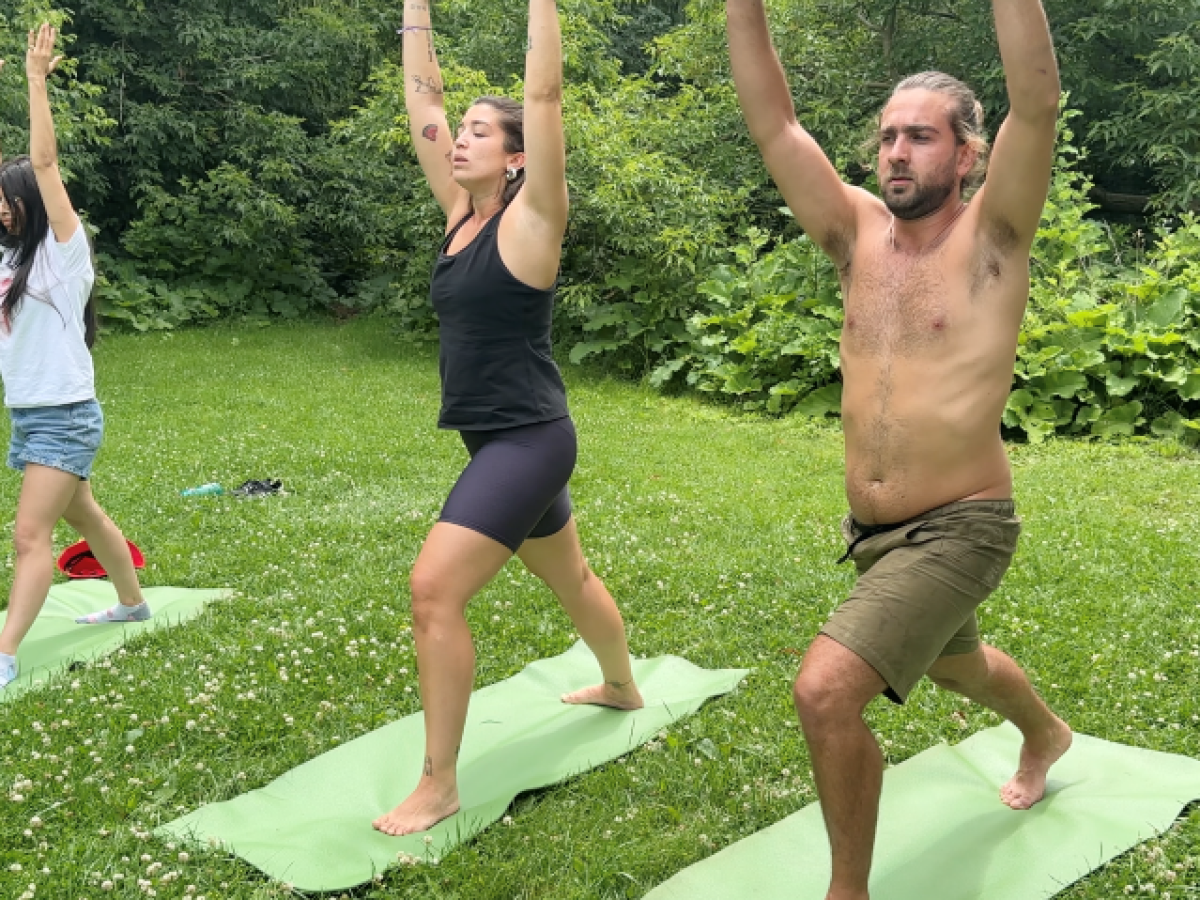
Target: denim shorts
60, 437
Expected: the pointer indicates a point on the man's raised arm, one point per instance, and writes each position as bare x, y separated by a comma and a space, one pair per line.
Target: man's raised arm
821, 203
1019, 173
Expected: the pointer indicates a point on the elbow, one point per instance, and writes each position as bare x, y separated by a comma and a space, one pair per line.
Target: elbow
43, 161
1040, 105
551, 93
1046, 109
1042, 96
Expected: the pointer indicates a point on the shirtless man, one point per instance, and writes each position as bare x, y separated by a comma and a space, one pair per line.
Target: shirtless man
935, 283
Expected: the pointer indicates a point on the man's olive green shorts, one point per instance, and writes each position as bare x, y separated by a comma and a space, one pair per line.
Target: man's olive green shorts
919, 583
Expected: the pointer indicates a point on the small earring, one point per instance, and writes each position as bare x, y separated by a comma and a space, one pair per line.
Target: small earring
511, 174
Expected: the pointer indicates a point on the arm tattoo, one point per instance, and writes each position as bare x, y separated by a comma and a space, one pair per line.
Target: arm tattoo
429, 132
430, 37
427, 84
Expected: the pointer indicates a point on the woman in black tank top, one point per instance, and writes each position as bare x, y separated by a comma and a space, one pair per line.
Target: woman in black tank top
501, 181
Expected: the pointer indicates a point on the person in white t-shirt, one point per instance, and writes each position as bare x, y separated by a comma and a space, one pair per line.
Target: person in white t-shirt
47, 323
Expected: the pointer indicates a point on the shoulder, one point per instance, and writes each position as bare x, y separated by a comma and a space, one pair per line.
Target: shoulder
871, 218
73, 255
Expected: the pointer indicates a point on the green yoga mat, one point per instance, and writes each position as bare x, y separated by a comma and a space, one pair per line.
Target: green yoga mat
311, 827
944, 834
55, 641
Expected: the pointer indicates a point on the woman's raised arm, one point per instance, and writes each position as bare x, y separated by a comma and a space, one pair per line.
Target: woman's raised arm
40, 61
431, 134
544, 194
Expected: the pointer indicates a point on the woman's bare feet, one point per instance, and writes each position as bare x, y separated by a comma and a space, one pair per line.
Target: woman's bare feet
424, 808
1028, 786
626, 697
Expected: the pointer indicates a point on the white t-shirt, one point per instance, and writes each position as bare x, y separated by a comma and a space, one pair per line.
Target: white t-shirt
44, 358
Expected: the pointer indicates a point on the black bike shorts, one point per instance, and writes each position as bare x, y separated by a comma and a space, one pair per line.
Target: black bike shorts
515, 486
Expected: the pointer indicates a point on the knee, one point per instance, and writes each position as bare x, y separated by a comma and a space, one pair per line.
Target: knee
431, 602
818, 700
423, 587
29, 539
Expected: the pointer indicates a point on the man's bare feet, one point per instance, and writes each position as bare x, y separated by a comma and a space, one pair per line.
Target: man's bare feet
424, 808
626, 697
1028, 786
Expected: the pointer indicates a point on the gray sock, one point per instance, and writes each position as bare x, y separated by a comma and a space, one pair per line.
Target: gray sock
118, 613
8, 669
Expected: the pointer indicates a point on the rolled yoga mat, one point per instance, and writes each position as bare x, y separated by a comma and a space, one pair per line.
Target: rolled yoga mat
944, 834
55, 640
311, 827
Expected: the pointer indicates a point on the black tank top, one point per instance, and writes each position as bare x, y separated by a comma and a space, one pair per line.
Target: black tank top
496, 364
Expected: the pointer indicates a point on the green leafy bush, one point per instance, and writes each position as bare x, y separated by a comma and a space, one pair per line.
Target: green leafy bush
648, 220
1117, 356
769, 333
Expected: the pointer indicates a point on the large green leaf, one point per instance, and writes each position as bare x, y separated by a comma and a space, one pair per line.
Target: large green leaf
1119, 421
1119, 386
821, 402
1190, 389
1063, 383
1165, 311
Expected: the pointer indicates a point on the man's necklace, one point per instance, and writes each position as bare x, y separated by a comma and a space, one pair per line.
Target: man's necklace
937, 239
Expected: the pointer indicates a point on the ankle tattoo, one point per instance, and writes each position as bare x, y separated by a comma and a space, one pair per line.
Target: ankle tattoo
619, 684
429, 766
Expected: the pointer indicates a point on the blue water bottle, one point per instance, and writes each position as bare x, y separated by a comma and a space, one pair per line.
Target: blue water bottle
205, 490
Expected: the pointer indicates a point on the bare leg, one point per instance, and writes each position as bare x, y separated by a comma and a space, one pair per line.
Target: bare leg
45, 496
453, 565
558, 561
832, 690
106, 542
991, 678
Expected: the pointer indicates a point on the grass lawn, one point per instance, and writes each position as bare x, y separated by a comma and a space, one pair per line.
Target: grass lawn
717, 534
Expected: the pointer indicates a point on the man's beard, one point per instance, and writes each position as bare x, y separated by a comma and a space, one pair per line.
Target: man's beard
924, 199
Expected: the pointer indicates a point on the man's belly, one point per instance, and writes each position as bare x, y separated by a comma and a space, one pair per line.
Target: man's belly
922, 439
